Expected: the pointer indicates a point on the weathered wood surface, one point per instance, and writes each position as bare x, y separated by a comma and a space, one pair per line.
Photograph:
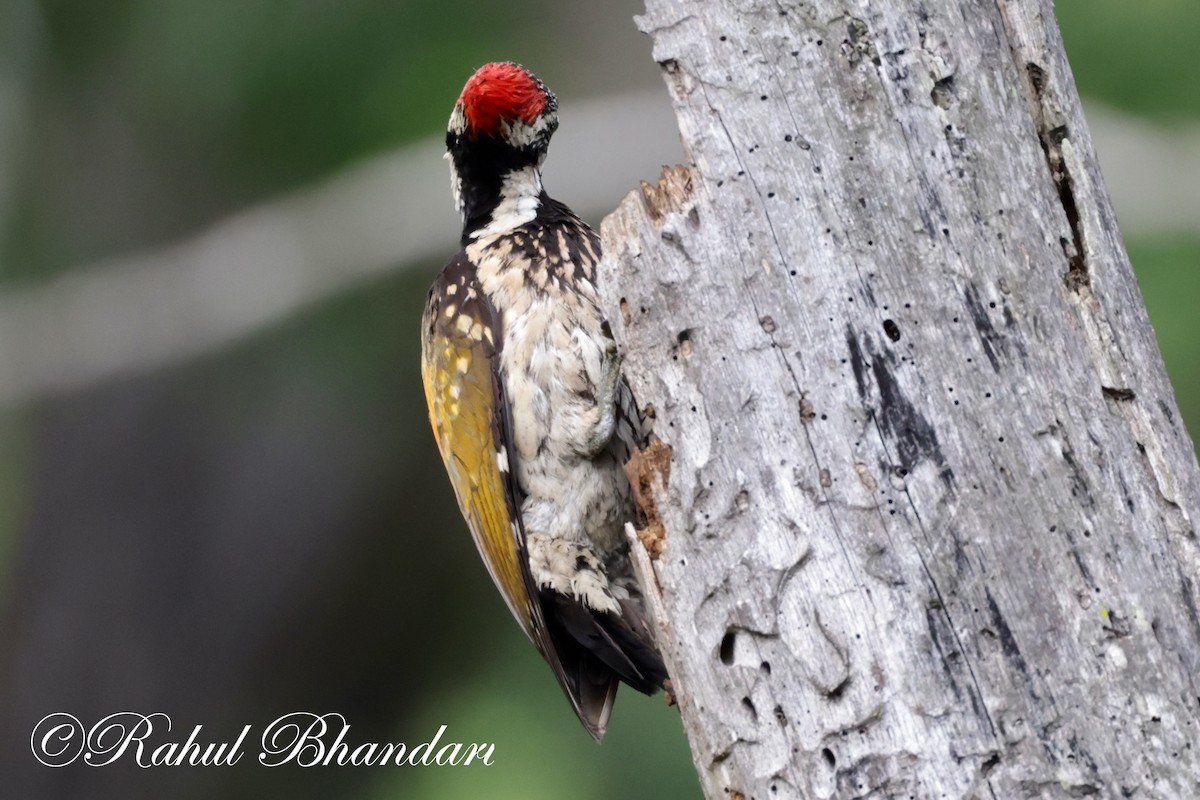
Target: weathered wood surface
930, 514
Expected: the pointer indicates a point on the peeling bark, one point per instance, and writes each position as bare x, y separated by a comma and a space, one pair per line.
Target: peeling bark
928, 527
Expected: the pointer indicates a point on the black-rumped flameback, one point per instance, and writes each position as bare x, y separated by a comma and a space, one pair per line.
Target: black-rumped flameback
531, 414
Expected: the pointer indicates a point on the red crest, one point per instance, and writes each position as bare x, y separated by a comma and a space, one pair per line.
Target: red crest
501, 90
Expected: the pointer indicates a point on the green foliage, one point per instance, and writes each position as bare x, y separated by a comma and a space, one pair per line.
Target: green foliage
1138, 56
154, 117
1168, 273
541, 751
285, 90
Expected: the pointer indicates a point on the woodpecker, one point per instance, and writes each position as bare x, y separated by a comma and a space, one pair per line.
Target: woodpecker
529, 408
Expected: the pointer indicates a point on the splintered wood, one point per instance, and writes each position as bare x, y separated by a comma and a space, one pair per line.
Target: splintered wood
645, 468
672, 193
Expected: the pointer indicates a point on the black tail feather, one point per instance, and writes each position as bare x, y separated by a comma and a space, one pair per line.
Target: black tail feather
618, 645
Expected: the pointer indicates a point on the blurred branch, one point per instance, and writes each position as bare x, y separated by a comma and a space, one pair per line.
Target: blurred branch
1144, 165
260, 265
393, 212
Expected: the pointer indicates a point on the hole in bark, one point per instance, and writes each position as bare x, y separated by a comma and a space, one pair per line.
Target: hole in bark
942, 92
748, 704
765, 667
1037, 77
830, 759
683, 341
1113, 393
891, 329
727, 643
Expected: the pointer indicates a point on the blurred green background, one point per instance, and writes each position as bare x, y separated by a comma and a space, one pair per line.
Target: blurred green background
265, 528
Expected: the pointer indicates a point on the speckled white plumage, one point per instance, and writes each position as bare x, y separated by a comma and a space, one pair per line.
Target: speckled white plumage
559, 366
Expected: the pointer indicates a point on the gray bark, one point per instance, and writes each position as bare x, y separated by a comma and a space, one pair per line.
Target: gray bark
927, 519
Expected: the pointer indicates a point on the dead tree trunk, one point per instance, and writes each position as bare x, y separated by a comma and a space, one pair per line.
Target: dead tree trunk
928, 512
